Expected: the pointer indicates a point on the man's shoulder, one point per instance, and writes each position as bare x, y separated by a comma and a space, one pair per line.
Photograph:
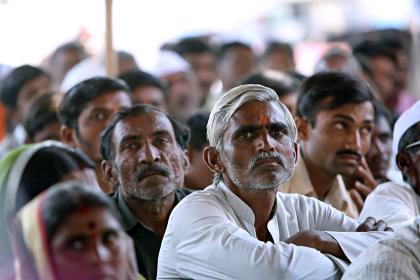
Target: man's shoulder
393, 190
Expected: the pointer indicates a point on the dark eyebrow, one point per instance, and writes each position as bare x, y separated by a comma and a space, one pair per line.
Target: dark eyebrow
350, 119
253, 127
128, 138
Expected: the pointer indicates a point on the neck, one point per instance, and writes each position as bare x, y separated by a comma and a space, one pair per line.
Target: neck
261, 203
153, 213
321, 179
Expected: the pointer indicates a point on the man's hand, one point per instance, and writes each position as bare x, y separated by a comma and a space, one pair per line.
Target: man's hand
364, 187
318, 240
370, 224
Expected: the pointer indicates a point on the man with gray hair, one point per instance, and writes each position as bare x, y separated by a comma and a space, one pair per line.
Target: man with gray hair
241, 227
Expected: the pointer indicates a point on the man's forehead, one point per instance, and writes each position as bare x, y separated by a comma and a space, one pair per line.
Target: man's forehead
256, 112
144, 124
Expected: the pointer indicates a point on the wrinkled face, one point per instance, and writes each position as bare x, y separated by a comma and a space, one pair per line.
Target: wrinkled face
94, 118
204, 67
148, 163
88, 245
183, 95
379, 155
149, 95
340, 138
258, 152
28, 93
235, 64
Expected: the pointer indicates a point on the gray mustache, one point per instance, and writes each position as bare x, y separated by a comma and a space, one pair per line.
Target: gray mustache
267, 156
157, 168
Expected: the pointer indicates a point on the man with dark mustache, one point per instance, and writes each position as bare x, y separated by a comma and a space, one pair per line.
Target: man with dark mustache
145, 159
335, 120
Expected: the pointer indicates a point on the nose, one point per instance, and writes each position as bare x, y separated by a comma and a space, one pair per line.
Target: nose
265, 141
100, 253
353, 141
149, 153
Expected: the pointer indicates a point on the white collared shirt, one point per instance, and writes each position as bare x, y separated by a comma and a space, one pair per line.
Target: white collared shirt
211, 235
393, 203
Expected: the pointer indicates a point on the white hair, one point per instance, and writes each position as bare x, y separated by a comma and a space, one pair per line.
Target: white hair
232, 100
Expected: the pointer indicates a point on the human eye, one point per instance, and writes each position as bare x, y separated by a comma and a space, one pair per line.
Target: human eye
129, 146
277, 131
110, 237
339, 125
366, 129
246, 135
78, 243
99, 116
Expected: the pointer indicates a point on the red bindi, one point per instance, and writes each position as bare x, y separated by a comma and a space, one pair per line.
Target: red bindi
91, 225
264, 120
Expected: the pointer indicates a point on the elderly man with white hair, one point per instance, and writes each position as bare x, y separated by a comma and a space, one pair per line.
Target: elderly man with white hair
241, 227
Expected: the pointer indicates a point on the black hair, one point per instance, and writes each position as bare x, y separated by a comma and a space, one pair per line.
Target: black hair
42, 112
15, 81
273, 46
67, 198
192, 46
340, 88
46, 167
411, 135
76, 99
370, 49
382, 111
70, 46
225, 48
198, 127
137, 78
282, 83
182, 133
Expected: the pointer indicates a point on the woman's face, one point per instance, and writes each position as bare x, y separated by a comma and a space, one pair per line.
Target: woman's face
89, 244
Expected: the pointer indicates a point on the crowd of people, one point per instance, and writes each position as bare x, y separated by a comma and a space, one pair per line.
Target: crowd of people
218, 163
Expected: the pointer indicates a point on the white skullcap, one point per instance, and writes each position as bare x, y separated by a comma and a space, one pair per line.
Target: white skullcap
407, 119
84, 70
168, 63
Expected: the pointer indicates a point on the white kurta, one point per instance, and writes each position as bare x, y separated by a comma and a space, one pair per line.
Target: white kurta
393, 203
389, 259
211, 235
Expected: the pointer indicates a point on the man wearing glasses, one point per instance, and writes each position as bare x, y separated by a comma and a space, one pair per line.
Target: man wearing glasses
393, 203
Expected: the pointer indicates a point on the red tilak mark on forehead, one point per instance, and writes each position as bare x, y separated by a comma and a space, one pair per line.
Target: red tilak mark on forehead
91, 225
84, 209
264, 120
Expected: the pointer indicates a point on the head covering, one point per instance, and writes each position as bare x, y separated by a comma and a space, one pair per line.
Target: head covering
33, 255
168, 63
407, 119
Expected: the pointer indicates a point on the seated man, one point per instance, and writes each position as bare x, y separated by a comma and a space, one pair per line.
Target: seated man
241, 227
145, 159
398, 204
335, 120
393, 258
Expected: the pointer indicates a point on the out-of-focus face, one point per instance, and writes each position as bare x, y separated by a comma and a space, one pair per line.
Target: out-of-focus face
148, 162
88, 245
183, 95
149, 95
64, 61
235, 64
199, 176
94, 118
204, 67
340, 138
379, 155
290, 100
279, 60
384, 77
258, 152
28, 93
50, 131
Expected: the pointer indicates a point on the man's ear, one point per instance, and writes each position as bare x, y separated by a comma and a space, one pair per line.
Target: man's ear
109, 172
68, 135
185, 161
404, 163
212, 159
303, 127
296, 151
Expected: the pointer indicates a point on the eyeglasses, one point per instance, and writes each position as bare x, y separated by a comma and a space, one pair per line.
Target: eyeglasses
417, 143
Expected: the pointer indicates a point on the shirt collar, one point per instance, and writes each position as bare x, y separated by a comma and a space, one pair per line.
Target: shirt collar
128, 219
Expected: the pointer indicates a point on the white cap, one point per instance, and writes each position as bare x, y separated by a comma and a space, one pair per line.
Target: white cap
84, 70
168, 63
407, 119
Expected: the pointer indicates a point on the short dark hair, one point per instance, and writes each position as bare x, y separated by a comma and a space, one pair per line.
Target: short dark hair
47, 167
225, 48
68, 198
70, 46
198, 127
341, 88
273, 46
367, 50
382, 111
282, 83
42, 112
411, 135
182, 133
137, 78
15, 81
76, 99
192, 45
